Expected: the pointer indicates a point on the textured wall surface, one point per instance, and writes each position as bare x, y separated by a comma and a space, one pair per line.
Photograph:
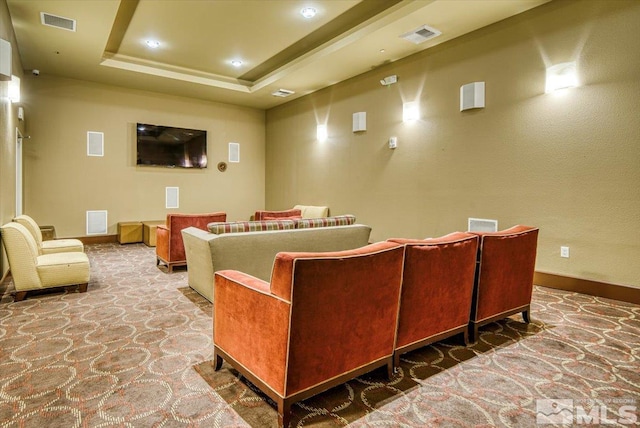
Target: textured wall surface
568, 163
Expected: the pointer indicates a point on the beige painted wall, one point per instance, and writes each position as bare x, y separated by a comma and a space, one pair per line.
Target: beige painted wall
62, 182
8, 124
567, 163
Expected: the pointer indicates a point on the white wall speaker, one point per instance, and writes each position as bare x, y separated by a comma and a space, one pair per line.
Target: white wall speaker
234, 152
360, 121
482, 225
97, 222
472, 96
95, 143
172, 197
5, 60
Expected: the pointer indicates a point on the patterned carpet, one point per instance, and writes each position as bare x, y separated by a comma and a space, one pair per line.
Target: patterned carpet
135, 351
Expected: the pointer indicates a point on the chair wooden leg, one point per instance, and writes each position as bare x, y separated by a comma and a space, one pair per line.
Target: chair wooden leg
473, 332
82, 288
465, 337
19, 296
170, 267
284, 413
157, 261
525, 316
396, 362
391, 366
217, 361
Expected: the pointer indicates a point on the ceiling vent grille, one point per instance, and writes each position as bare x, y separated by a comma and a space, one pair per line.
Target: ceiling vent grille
282, 93
58, 21
421, 34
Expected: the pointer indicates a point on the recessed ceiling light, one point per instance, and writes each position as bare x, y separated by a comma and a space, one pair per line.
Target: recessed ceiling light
153, 44
308, 12
236, 63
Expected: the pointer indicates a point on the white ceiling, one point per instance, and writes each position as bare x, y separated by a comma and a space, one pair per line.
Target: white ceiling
278, 47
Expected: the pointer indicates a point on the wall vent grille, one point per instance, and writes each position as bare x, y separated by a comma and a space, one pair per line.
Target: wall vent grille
96, 222
58, 21
421, 34
482, 225
95, 143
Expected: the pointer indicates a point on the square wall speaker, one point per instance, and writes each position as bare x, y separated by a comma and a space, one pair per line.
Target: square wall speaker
472, 96
234, 152
482, 225
172, 197
95, 143
5, 60
360, 121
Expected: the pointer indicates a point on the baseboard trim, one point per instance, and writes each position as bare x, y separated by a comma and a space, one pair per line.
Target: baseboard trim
585, 286
102, 239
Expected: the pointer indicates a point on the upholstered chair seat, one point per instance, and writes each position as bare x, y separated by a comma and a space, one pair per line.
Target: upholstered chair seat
437, 289
32, 271
51, 246
323, 319
169, 245
504, 275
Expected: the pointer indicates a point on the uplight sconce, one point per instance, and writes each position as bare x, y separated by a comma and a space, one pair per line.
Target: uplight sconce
561, 76
410, 111
321, 133
14, 89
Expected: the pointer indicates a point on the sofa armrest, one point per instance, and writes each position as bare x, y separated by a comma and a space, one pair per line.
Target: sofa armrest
251, 325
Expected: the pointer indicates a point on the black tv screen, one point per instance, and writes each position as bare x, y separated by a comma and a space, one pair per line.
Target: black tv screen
170, 146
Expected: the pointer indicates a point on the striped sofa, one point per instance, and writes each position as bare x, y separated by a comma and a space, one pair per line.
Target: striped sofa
251, 246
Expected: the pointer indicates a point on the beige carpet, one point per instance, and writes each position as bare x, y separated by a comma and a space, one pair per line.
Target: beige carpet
136, 350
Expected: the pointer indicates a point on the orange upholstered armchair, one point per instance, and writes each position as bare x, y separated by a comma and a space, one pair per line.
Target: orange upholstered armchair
324, 319
504, 276
169, 245
437, 286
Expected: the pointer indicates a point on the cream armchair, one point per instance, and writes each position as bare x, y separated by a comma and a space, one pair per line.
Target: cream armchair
48, 247
312, 211
32, 271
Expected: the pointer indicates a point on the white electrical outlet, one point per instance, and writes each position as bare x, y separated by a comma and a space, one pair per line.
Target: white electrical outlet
393, 142
564, 252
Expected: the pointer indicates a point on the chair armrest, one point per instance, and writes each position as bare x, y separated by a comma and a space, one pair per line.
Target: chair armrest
162, 242
251, 325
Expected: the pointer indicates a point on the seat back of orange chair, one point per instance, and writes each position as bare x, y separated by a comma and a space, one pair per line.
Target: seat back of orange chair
504, 279
277, 215
437, 289
169, 245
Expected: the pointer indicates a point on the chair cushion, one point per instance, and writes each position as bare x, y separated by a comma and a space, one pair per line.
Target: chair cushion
62, 245
60, 269
261, 215
250, 226
340, 220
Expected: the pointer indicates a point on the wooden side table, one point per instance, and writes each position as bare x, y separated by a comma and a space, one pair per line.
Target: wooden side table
129, 232
149, 231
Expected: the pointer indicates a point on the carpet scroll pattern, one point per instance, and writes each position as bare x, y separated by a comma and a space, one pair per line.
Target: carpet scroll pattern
136, 350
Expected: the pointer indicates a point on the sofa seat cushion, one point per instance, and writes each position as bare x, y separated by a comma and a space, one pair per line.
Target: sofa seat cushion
250, 226
62, 245
61, 269
340, 220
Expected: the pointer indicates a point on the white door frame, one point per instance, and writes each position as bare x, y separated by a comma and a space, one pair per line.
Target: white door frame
19, 189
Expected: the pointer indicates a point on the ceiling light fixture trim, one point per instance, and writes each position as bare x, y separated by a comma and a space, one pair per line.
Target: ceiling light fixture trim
308, 12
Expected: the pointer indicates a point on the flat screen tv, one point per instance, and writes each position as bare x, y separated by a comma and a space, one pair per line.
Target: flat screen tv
171, 147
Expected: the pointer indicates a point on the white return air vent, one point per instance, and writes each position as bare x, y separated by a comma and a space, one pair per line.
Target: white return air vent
57, 21
421, 34
482, 225
95, 143
96, 222
282, 93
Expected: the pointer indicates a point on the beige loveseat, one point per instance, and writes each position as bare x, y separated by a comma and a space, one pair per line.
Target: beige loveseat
254, 252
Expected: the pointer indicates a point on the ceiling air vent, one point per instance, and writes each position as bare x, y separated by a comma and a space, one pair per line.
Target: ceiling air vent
421, 34
58, 21
282, 93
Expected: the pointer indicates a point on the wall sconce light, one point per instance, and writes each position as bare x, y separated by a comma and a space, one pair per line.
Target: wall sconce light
14, 89
321, 133
472, 96
410, 111
561, 76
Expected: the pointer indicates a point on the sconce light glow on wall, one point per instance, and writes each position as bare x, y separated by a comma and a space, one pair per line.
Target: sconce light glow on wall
321, 133
14, 89
410, 111
561, 76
